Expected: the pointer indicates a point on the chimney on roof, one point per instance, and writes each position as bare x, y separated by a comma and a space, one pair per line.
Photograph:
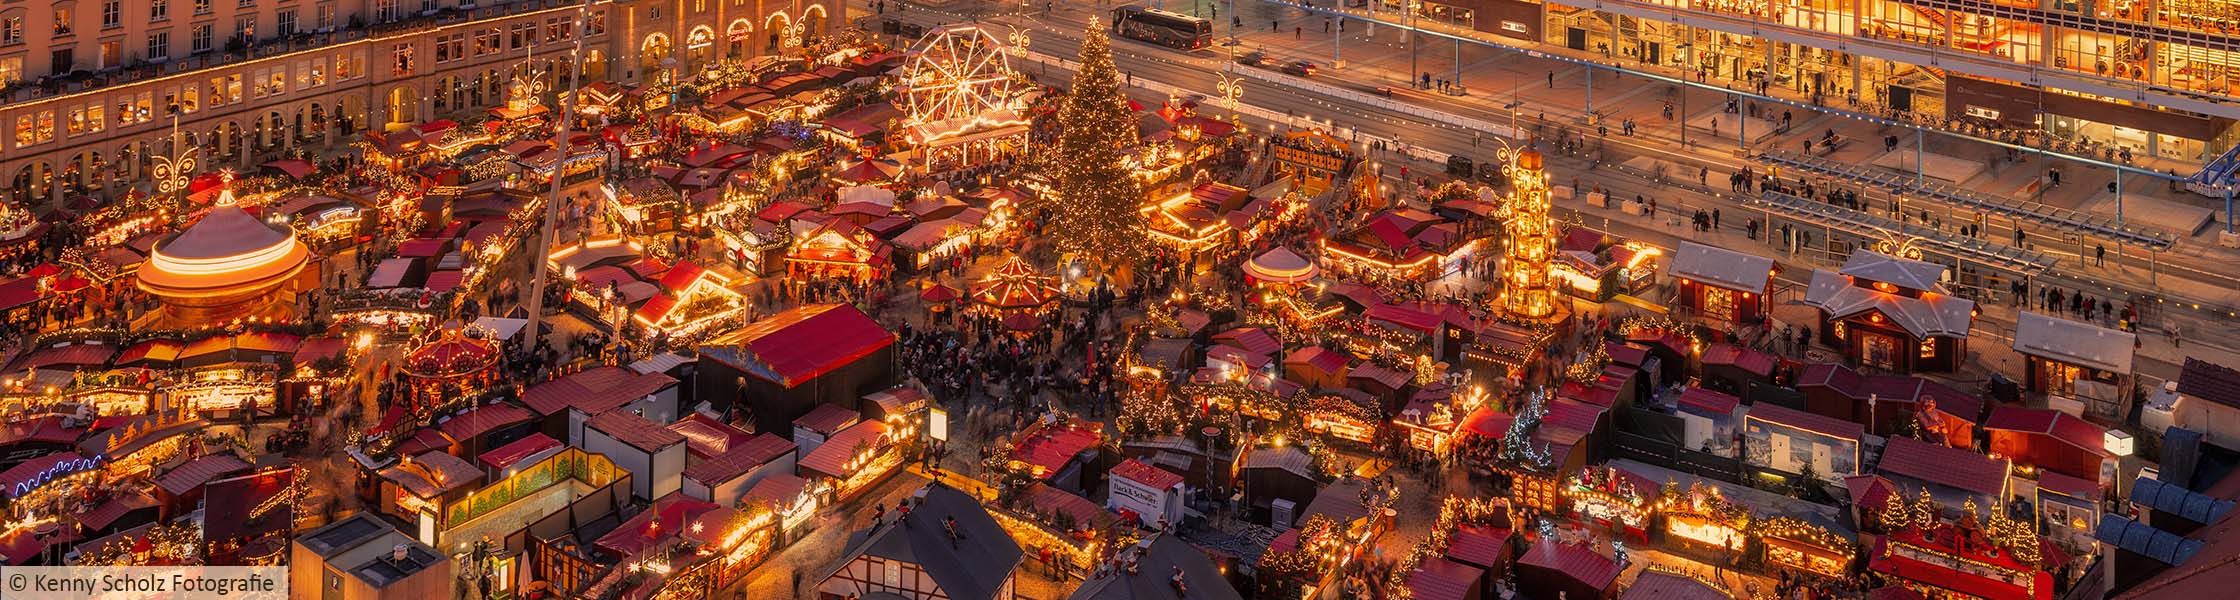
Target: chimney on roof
397, 552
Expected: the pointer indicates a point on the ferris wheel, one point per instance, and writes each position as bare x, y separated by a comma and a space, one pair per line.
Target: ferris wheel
957, 72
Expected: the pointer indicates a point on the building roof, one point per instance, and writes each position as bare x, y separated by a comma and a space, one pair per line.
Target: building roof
636, 431
2177, 500
2210, 381
594, 391
831, 457
485, 419
518, 451
1657, 585
1442, 579
1481, 545
706, 437
188, 477
672, 514
1340, 501
1722, 267
1322, 359
777, 490
1824, 425
1944, 465
1905, 273
1933, 314
740, 458
2074, 342
2051, 423
1286, 458
1143, 473
972, 565
231, 505
1578, 562
1048, 449
362, 545
1709, 402
801, 344
18, 479
2207, 561
1159, 560
433, 473
827, 419
1747, 359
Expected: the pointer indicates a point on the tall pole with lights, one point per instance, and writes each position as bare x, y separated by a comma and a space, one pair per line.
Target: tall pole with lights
171, 172
552, 203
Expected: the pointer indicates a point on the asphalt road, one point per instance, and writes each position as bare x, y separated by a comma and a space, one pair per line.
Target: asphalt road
1059, 35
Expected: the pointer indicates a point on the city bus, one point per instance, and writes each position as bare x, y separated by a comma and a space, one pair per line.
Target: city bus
1170, 29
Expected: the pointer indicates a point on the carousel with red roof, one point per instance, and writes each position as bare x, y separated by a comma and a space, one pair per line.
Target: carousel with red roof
1017, 294
448, 364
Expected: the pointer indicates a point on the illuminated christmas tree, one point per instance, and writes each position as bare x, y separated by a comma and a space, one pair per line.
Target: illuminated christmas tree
1097, 195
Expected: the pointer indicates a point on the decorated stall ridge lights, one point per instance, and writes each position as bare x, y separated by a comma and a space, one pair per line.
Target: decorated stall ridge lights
229, 264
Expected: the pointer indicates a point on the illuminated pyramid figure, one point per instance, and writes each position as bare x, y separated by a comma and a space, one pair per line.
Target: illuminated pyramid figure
1530, 287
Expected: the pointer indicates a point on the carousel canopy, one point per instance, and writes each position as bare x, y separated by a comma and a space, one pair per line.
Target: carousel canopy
868, 170
1015, 285
452, 352
1281, 265
227, 252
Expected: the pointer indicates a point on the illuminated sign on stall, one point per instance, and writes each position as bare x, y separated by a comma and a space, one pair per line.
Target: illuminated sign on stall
65, 468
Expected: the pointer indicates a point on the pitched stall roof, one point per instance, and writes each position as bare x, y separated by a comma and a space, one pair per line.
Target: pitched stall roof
970, 566
2073, 342
827, 419
1934, 313
187, 477
706, 438
1580, 563
740, 458
1722, 267
432, 474
485, 419
1946, 466
2051, 423
831, 457
1442, 579
595, 390
1158, 558
797, 345
2210, 381
1824, 425
1050, 448
1655, 585
518, 452
1143, 473
635, 431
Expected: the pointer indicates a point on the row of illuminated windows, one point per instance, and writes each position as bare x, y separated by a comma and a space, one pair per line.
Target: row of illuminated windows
41, 127
491, 40
2168, 65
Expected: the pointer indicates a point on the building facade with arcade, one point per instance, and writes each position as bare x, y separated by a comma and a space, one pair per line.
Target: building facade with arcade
93, 93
